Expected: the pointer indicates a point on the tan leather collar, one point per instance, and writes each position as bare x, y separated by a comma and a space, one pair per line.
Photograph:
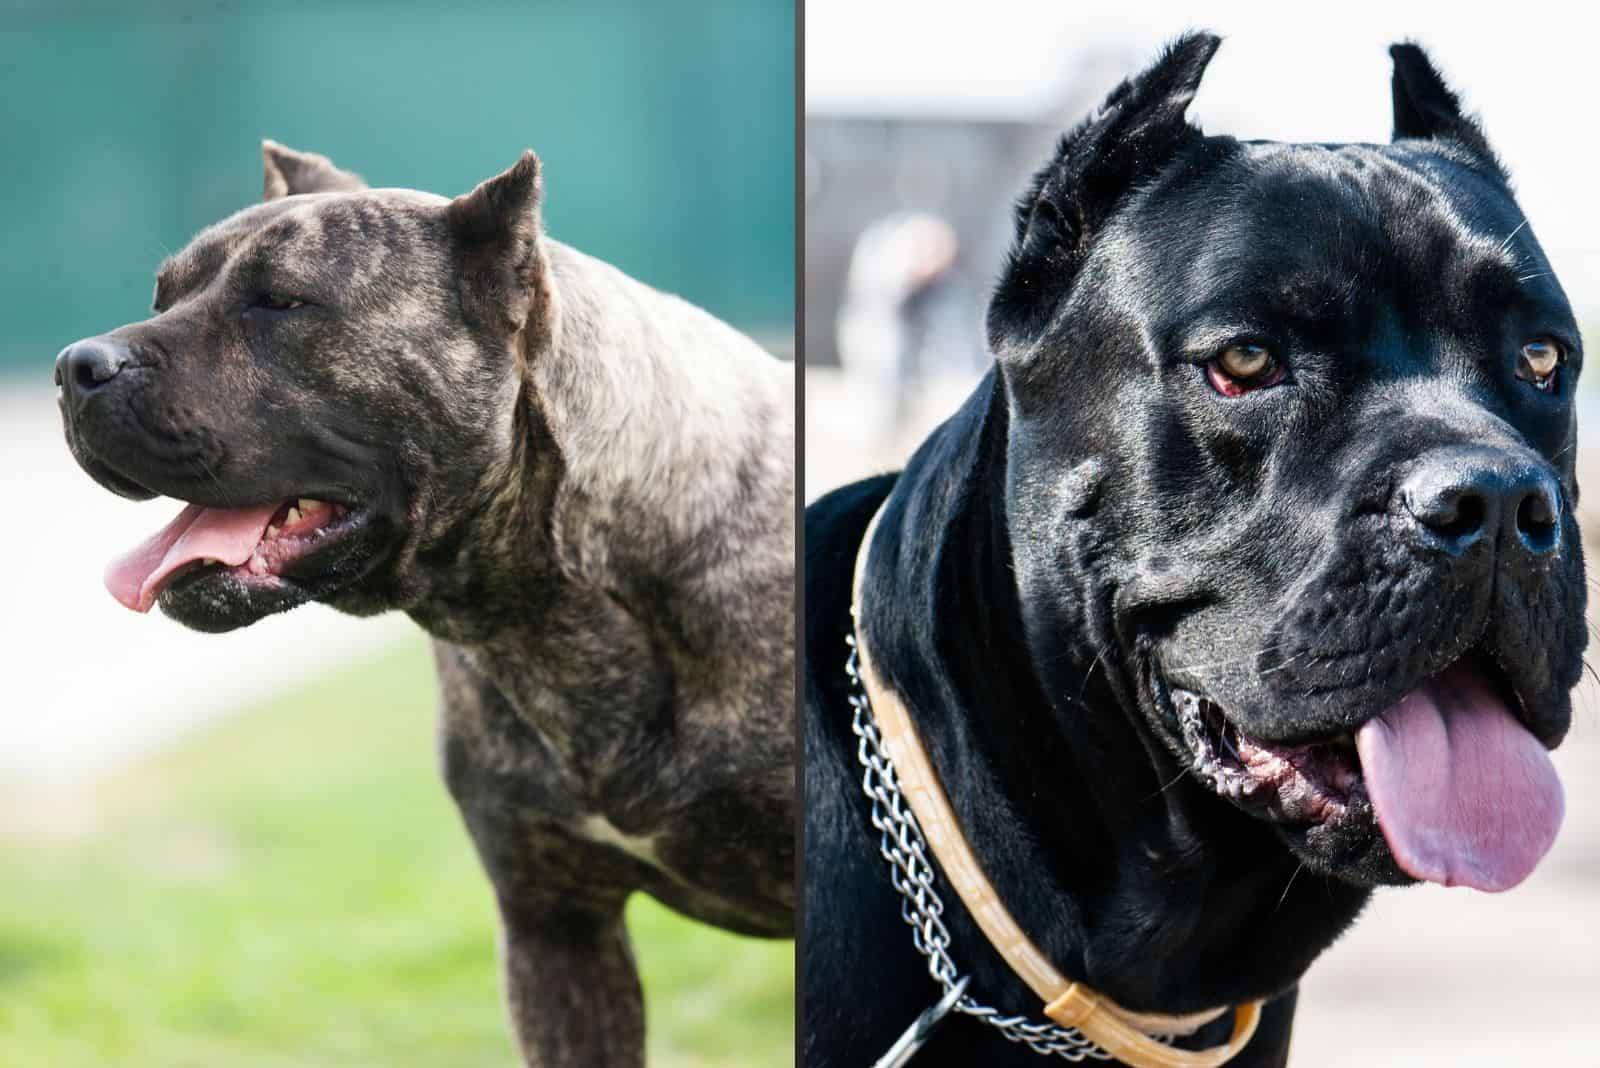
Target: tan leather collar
1124, 1034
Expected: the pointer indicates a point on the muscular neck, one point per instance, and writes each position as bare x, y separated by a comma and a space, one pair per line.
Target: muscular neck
644, 520
1127, 873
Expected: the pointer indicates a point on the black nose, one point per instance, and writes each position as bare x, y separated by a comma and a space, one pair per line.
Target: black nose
1458, 496
84, 366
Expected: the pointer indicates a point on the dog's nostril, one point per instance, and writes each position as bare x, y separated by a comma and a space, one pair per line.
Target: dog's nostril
1536, 520
87, 375
1535, 512
87, 365
1456, 516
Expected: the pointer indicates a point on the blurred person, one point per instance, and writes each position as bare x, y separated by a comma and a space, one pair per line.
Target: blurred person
905, 319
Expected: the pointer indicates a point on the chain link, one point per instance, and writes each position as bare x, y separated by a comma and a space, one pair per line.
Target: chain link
903, 846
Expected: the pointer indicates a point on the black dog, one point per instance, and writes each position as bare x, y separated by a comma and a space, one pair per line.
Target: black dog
1246, 582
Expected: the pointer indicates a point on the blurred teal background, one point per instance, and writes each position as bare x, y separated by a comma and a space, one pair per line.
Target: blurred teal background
666, 129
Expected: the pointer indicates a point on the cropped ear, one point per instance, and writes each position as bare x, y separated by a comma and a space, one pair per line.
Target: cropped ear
504, 274
1137, 130
287, 172
1426, 108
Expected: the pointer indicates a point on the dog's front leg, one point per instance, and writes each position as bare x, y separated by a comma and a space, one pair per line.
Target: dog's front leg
572, 987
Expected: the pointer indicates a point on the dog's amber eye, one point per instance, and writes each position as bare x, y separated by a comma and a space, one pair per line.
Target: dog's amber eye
275, 302
1538, 363
1238, 369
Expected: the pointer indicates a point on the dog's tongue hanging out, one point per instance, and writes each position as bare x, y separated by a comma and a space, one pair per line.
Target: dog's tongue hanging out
228, 535
1465, 795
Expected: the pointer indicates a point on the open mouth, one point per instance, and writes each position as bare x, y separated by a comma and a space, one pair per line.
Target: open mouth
1317, 782
261, 545
1461, 789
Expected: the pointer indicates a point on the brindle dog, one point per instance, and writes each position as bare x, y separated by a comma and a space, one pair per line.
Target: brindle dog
581, 487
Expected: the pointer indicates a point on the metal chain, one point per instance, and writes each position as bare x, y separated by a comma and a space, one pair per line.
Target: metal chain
903, 846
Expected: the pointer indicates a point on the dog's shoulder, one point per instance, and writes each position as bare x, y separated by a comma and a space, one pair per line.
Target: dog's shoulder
600, 300
834, 527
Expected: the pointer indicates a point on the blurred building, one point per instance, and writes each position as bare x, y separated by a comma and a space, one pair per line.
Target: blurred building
666, 132
894, 333
874, 161
861, 171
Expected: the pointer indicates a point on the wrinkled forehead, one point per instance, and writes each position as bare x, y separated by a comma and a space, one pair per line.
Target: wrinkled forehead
332, 230
1305, 229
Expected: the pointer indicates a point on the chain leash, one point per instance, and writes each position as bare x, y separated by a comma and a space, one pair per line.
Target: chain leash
902, 845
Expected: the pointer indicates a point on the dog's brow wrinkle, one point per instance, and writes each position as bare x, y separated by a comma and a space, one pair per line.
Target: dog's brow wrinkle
1433, 196
1310, 296
186, 269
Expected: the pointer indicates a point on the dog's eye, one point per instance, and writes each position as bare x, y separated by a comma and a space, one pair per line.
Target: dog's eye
278, 302
1539, 361
1238, 369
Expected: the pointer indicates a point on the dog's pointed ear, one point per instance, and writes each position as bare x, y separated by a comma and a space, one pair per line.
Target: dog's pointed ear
1426, 108
504, 271
287, 173
1138, 129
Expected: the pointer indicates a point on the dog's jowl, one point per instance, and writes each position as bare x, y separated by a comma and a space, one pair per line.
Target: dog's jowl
1246, 582
581, 487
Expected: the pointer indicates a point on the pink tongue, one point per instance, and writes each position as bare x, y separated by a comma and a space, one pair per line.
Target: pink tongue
1464, 794
226, 534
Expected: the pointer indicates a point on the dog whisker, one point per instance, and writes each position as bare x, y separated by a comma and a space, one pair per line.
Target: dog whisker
1228, 662
1287, 886
1519, 228
1175, 780
1309, 646
209, 473
1087, 675
1279, 667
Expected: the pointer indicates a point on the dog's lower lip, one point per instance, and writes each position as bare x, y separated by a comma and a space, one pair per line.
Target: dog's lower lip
1309, 783
115, 481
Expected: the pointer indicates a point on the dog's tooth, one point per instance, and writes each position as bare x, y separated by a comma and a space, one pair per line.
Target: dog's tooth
309, 505
272, 530
293, 517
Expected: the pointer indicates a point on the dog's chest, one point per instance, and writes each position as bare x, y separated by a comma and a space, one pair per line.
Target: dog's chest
601, 831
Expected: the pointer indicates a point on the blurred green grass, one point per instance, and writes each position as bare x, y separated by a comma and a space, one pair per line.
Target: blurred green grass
293, 888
